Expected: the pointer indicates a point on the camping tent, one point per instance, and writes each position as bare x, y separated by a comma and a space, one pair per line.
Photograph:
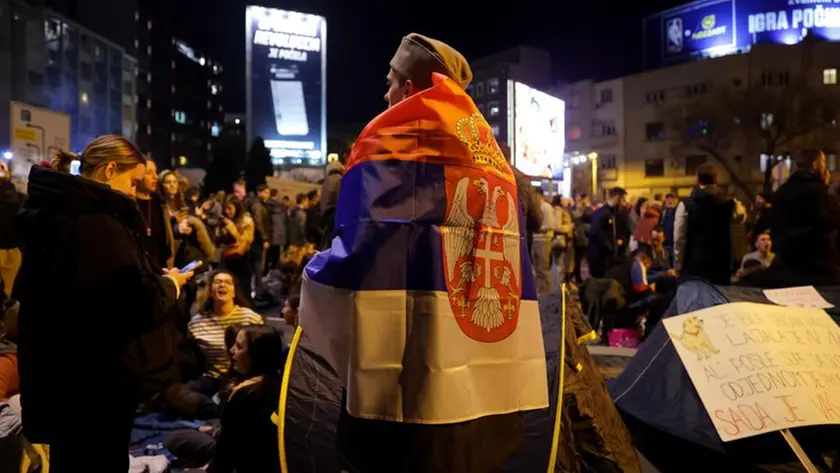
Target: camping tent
592, 435
666, 417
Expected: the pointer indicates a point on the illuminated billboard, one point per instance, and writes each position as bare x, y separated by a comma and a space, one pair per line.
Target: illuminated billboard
708, 28
537, 129
691, 31
286, 84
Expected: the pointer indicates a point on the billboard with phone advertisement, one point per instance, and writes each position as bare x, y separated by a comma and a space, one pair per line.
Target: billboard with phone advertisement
538, 130
286, 66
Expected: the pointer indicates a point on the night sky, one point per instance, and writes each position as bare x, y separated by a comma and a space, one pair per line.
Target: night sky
596, 39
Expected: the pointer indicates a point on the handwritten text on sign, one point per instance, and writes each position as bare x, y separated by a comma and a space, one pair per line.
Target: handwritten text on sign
760, 368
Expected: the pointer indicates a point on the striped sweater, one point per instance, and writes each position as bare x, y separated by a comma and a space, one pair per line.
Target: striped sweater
209, 332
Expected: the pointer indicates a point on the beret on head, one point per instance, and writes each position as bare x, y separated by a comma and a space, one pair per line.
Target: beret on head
419, 56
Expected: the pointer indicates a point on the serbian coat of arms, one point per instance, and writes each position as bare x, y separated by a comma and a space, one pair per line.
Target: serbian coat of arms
482, 253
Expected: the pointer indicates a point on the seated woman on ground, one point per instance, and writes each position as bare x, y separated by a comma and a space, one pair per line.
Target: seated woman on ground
246, 442
290, 310
225, 307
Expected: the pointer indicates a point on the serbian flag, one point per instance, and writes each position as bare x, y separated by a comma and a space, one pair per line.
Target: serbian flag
425, 303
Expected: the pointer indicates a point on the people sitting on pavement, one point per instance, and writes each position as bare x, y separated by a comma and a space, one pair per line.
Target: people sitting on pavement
632, 275
290, 310
763, 251
225, 307
245, 440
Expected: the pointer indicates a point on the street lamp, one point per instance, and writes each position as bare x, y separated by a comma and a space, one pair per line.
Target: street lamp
577, 158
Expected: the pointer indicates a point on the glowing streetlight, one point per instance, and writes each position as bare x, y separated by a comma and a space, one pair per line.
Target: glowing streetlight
7, 155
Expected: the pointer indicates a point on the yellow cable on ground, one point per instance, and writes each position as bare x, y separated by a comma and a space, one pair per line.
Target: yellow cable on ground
555, 441
284, 394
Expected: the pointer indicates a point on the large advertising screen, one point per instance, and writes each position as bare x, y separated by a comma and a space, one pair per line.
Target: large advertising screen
538, 130
699, 29
718, 27
286, 55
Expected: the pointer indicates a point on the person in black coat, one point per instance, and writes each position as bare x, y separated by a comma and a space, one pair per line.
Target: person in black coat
806, 220
609, 234
96, 333
703, 236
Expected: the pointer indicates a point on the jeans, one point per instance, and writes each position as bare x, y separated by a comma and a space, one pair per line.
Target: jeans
541, 260
191, 447
184, 400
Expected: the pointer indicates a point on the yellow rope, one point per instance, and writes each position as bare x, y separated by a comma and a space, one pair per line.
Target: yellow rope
284, 395
555, 441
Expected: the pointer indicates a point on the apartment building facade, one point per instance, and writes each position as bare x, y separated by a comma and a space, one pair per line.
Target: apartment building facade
627, 121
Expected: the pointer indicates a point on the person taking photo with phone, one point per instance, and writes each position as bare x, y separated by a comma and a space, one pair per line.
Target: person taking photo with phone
95, 321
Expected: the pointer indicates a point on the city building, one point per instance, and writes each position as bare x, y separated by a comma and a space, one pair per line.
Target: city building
489, 87
49, 61
234, 134
179, 91
594, 126
632, 129
655, 162
111, 19
235, 123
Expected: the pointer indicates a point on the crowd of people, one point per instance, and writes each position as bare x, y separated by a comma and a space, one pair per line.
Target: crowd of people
648, 247
126, 290
108, 244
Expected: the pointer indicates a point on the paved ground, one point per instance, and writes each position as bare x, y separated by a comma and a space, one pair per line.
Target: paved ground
610, 360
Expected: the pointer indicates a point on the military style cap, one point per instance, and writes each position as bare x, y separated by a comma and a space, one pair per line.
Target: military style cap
419, 56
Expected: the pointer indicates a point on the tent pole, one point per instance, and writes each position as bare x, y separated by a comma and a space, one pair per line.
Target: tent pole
797, 449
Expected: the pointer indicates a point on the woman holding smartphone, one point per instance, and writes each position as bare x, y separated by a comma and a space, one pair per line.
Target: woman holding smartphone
96, 326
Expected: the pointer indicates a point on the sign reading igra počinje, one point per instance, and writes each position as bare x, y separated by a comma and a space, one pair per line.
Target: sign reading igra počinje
759, 368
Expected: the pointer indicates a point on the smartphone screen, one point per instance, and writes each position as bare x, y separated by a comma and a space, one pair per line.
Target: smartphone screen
191, 266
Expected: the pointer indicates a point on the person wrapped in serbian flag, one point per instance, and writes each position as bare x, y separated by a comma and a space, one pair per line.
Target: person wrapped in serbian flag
425, 302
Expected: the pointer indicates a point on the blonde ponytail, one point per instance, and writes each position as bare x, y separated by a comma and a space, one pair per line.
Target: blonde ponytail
105, 149
62, 160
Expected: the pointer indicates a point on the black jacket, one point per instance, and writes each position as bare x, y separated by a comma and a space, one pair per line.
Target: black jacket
609, 224
95, 318
805, 223
708, 239
248, 439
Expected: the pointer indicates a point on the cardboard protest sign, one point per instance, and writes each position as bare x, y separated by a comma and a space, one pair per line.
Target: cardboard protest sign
803, 296
760, 368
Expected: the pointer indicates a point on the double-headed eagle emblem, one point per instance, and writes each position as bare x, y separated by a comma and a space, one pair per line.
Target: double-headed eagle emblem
472, 247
